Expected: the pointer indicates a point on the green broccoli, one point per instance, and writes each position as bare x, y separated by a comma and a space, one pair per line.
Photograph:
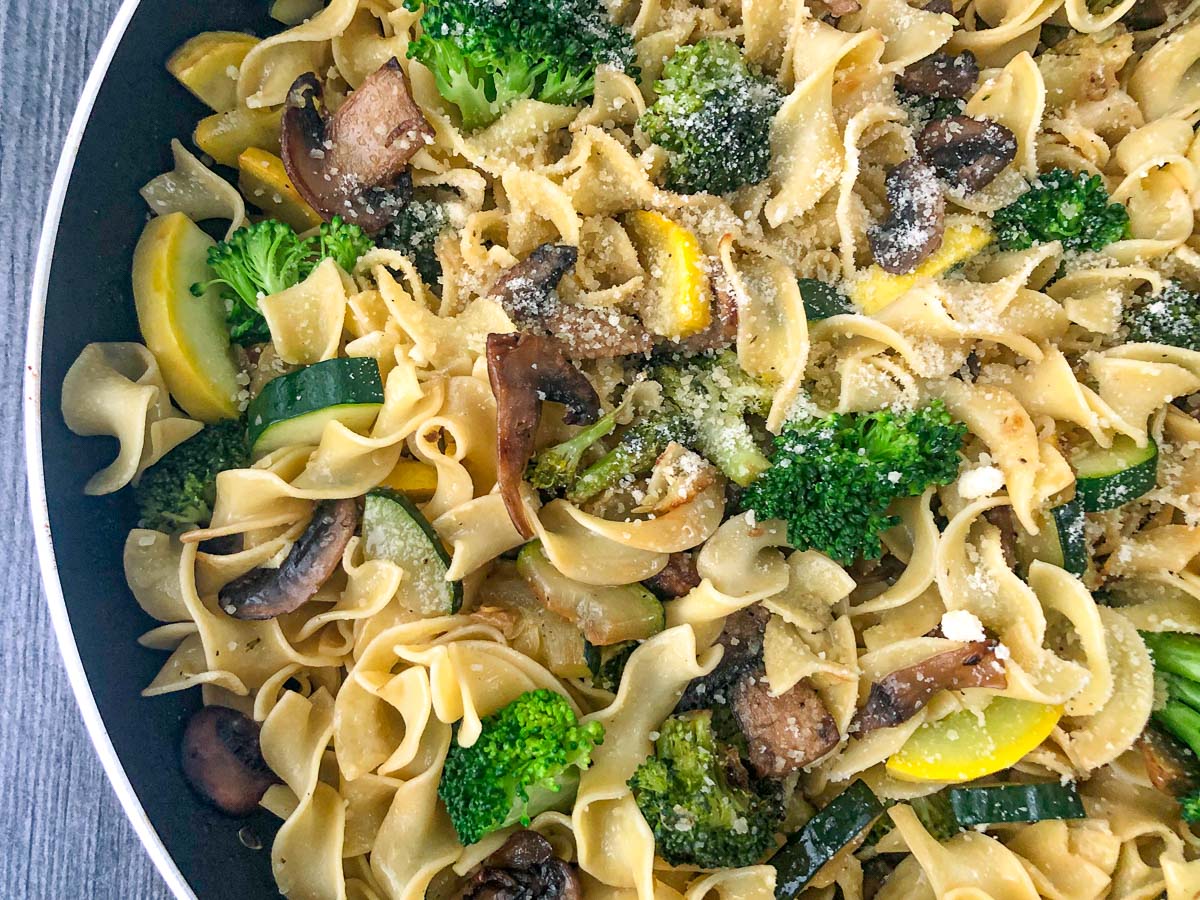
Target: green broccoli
555, 467
698, 812
833, 478
713, 117
613, 659
922, 109
526, 761
414, 232
1170, 317
1189, 806
268, 257
634, 454
716, 394
484, 55
1062, 206
177, 493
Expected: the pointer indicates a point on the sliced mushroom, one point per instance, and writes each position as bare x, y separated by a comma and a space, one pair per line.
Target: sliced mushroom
222, 761
742, 638
677, 578
524, 868
267, 593
1004, 520
903, 693
967, 153
525, 369
917, 222
785, 733
1171, 766
354, 164
526, 291
939, 6
941, 75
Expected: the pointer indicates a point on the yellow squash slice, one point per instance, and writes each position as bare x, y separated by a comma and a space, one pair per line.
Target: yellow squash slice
264, 182
415, 479
676, 298
186, 334
877, 288
964, 746
208, 64
225, 136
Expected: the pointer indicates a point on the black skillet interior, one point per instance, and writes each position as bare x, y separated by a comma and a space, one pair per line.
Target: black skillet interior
139, 109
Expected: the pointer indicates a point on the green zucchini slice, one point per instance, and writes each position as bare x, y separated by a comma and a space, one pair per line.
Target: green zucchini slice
1106, 478
293, 409
605, 615
395, 530
843, 819
999, 803
822, 300
1061, 541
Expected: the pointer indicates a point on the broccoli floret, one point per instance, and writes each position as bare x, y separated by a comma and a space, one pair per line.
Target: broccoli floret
268, 257
414, 232
833, 478
716, 394
713, 117
639, 446
699, 816
1062, 206
1171, 317
922, 109
555, 467
484, 54
177, 493
1189, 806
526, 761
612, 665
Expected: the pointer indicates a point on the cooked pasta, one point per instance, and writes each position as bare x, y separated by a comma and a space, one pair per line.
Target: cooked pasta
680, 449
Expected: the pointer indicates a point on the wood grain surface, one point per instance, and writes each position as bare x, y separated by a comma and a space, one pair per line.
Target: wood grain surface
65, 836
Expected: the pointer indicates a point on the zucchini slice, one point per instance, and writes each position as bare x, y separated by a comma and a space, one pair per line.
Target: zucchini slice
605, 615
1106, 478
999, 803
843, 819
822, 300
293, 409
395, 530
1061, 542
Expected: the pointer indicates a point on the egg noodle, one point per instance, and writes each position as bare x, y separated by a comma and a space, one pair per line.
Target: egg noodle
361, 690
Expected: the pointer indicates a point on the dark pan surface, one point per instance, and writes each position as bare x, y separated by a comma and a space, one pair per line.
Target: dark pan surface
139, 109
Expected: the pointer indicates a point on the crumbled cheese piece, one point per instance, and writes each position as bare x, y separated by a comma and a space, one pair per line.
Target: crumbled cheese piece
962, 625
980, 482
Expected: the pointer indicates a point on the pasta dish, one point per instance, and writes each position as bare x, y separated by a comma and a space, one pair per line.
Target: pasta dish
679, 449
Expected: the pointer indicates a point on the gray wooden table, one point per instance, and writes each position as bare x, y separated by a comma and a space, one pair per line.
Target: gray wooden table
64, 834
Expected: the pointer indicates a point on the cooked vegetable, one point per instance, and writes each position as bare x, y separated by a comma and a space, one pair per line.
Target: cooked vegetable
484, 56
939, 76
293, 409
783, 733
222, 761
186, 333
834, 827
613, 659
1061, 540
177, 493
605, 614
264, 182
832, 479
1016, 803
916, 219
717, 394
1177, 667
967, 153
524, 868
414, 232
394, 529
555, 468
1171, 317
527, 760
415, 479
713, 117
226, 136
1062, 206
1108, 477
822, 300
876, 288
966, 745
675, 300
700, 802
634, 454
207, 65
268, 257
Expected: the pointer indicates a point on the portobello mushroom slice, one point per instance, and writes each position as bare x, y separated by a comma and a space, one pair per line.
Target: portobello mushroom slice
742, 639
524, 868
903, 693
525, 369
914, 229
222, 760
1171, 766
941, 75
354, 163
966, 153
677, 578
785, 733
267, 593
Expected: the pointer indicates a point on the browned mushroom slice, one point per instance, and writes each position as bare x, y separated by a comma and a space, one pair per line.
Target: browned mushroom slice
525, 369
267, 593
941, 75
917, 221
785, 733
222, 761
677, 578
939, 6
354, 163
903, 693
524, 868
742, 639
526, 290
1170, 765
968, 153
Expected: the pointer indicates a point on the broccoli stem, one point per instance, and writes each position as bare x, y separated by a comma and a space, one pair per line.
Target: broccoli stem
1176, 653
555, 466
1182, 721
1182, 689
634, 455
